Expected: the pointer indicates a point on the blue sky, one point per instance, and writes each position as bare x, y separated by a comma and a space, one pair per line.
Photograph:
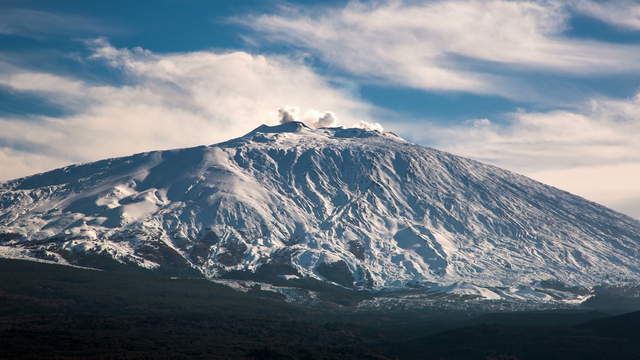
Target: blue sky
549, 89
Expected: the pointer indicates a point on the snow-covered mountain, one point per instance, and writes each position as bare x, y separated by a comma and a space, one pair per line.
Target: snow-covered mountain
354, 207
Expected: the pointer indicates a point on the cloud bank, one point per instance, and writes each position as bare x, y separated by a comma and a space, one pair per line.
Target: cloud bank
594, 152
169, 100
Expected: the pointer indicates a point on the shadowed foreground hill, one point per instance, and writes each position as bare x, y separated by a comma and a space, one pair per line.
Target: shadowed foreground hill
55, 312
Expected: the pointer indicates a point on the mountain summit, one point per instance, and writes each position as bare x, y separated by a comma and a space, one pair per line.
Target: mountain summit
352, 207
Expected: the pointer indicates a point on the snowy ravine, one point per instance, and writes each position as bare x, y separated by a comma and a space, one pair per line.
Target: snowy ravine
358, 208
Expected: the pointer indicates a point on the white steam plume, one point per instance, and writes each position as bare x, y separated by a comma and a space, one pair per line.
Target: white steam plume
369, 126
311, 117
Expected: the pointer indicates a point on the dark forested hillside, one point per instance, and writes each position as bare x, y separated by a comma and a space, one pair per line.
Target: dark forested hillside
58, 312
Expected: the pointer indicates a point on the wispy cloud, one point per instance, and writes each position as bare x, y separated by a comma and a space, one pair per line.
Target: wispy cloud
433, 45
170, 100
622, 13
594, 152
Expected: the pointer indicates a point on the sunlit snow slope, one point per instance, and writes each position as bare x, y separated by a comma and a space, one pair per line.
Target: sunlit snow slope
354, 207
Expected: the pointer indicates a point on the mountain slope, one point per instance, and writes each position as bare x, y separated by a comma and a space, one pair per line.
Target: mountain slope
354, 207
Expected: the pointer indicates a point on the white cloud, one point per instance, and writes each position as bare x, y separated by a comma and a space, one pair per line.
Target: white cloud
613, 185
15, 163
622, 13
419, 44
170, 100
594, 153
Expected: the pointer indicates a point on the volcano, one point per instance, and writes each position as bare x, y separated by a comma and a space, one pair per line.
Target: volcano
354, 208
